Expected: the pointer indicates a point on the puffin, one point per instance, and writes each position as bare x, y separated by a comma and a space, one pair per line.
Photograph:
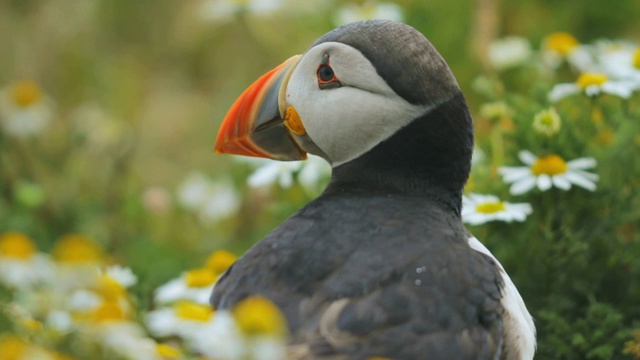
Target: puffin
380, 265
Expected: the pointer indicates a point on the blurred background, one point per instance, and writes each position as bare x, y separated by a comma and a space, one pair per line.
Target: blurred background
130, 95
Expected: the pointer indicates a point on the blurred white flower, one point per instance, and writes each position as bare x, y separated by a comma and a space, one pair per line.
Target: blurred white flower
100, 130
621, 61
274, 171
268, 172
82, 300
478, 209
59, 320
220, 10
547, 171
21, 265
212, 200
194, 285
509, 52
559, 47
24, 109
369, 9
125, 339
547, 122
593, 84
122, 275
183, 318
221, 340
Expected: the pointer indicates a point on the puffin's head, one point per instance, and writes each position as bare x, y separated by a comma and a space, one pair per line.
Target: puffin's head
352, 90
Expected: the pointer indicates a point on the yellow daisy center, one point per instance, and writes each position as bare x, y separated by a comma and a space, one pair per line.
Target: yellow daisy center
193, 311
588, 79
12, 347
636, 59
76, 248
168, 352
220, 260
16, 245
491, 207
25, 93
110, 289
199, 278
549, 165
561, 42
258, 316
109, 311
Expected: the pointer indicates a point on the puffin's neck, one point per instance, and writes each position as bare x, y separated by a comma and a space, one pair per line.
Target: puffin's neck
429, 158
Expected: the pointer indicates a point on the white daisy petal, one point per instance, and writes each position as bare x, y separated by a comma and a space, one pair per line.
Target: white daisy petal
544, 182
511, 174
561, 91
522, 186
581, 181
527, 157
561, 182
582, 163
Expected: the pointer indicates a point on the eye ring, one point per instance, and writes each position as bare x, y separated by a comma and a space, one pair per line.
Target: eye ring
327, 78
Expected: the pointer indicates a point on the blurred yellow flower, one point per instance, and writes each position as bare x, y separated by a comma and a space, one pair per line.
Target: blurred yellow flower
77, 249
168, 352
547, 122
257, 315
220, 260
589, 79
12, 347
200, 277
561, 42
636, 59
108, 311
189, 310
24, 109
16, 245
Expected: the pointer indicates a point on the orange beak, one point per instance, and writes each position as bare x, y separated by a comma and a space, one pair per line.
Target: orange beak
255, 126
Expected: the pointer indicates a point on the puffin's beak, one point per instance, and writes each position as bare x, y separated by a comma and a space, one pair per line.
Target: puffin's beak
255, 124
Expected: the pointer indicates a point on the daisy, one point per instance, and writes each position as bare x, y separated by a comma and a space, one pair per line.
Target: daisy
478, 209
561, 46
547, 171
509, 52
212, 201
182, 319
194, 285
24, 109
21, 265
364, 10
593, 84
547, 122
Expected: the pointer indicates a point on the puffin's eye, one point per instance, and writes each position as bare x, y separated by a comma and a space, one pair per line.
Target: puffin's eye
327, 79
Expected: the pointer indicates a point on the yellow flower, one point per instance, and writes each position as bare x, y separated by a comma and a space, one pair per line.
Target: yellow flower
589, 79
108, 311
190, 310
220, 260
12, 347
561, 42
24, 109
168, 352
547, 122
550, 165
77, 249
16, 245
636, 59
200, 277
257, 315
25, 93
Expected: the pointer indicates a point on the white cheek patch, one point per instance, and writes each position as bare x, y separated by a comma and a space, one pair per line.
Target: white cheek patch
347, 122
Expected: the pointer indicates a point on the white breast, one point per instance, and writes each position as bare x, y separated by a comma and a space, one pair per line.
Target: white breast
519, 330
